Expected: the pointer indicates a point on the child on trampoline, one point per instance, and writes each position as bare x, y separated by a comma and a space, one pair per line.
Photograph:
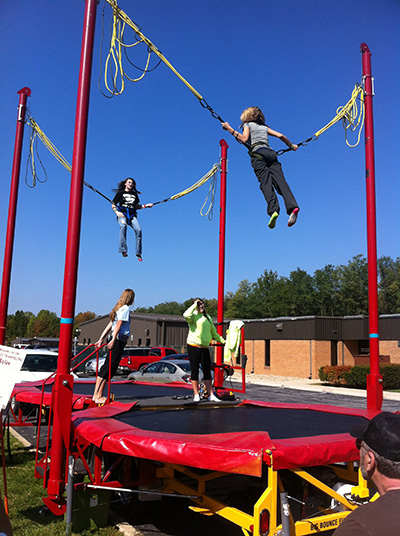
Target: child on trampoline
125, 205
120, 328
265, 163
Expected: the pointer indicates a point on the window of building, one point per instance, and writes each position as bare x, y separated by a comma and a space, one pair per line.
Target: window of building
363, 347
139, 342
148, 342
267, 353
334, 354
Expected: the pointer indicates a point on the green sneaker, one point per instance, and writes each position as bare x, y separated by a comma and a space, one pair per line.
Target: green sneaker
272, 220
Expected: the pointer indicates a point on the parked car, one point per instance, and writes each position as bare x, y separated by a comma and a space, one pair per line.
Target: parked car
38, 365
136, 358
185, 357
90, 365
165, 371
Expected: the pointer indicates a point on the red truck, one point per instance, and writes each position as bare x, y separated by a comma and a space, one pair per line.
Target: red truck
136, 358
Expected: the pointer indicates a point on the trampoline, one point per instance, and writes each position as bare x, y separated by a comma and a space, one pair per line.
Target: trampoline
122, 390
154, 437
193, 449
233, 439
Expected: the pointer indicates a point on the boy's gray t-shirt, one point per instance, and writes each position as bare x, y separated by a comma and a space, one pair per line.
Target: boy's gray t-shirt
258, 133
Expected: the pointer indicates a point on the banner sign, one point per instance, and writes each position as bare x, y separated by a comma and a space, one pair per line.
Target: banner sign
11, 360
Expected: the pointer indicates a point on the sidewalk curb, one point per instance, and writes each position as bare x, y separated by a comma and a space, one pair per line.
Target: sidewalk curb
304, 385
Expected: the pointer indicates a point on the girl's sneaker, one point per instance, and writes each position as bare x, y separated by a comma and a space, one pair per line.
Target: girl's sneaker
213, 398
272, 220
293, 217
196, 398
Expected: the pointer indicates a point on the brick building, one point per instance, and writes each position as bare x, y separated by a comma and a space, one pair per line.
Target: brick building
294, 347
298, 347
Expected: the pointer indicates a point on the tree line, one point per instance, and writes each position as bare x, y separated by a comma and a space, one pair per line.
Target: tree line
330, 291
23, 325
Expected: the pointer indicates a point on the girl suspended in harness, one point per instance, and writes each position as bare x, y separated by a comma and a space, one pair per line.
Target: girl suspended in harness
265, 163
125, 205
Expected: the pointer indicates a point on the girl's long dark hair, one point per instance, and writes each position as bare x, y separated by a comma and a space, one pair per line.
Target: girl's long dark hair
121, 185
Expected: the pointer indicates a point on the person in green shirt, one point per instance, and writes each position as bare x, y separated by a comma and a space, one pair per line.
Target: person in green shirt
201, 332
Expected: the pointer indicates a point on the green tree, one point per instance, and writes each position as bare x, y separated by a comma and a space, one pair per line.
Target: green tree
273, 295
17, 325
144, 310
45, 324
264, 290
389, 285
302, 293
326, 285
353, 294
211, 305
244, 303
169, 308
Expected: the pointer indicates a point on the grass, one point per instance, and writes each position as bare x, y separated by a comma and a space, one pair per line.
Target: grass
25, 503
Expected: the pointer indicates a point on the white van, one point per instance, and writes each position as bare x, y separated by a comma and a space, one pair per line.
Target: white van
38, 365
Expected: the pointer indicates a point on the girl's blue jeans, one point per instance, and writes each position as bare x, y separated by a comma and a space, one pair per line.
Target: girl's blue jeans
123, 226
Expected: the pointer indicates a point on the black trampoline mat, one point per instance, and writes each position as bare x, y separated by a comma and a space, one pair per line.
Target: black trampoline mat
131, 391
280, 423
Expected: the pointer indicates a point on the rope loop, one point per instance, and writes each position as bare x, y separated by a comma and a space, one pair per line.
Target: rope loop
115, 56
113, 67
30, 164
210, 196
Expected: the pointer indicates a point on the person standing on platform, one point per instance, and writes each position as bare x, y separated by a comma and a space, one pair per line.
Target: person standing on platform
201, 332
120, 328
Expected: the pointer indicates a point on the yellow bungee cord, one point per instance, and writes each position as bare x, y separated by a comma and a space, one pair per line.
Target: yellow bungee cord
351, 117
120, 16
115, 57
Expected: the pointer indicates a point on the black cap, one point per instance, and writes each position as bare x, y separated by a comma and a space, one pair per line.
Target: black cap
382, 434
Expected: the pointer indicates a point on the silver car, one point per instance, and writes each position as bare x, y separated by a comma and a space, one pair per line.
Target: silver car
165, 371
90, 365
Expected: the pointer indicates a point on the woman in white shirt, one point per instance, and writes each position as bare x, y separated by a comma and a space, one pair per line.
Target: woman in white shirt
120, 328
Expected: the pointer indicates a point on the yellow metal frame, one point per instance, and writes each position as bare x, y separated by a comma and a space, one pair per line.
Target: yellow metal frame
269, 499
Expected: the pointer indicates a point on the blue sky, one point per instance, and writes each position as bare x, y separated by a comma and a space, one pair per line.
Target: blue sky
298, 61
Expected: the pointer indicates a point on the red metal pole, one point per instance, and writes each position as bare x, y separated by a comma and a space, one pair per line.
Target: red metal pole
63, 387
219, 375
24, 93
374, 379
